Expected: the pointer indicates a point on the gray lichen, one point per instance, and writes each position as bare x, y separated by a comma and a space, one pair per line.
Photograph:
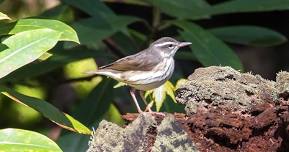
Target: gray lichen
282, 84
217, 86
172, 138
111, 138
169, 136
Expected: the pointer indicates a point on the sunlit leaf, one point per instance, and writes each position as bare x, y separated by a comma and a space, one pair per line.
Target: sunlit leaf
180, 82
67, 33
47, 110
238, 6
4, 16
113, 115
159, 94
59, 59
249, 35
77, 70
26, 47
208, 49
183, 9
119, 84
16, 140
45, 56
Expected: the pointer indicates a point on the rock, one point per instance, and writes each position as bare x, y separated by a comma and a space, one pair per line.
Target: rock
110, 137
224, 87
143, 134
172, 137
282, 84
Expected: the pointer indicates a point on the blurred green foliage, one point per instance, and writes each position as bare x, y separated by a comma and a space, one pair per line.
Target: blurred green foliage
41, 60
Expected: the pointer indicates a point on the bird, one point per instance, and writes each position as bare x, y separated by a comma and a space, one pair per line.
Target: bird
145, 70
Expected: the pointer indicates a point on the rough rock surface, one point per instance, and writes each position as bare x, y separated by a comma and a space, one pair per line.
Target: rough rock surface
145, 133
226, 111
220, 87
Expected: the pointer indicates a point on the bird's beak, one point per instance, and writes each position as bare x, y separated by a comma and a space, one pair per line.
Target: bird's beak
183, 44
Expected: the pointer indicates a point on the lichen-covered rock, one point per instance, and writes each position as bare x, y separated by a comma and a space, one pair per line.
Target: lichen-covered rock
143, 134
225, 87
111, 138
282, 84
172, 137
102, 138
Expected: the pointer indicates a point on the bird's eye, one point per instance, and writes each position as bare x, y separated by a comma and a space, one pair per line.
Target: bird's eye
170, 46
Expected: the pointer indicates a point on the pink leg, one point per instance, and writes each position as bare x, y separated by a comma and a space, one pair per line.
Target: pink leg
131, 91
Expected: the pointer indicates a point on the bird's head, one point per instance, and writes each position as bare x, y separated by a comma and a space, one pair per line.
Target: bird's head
167, 46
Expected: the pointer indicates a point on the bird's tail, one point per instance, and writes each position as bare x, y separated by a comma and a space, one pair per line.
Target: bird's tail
109, 73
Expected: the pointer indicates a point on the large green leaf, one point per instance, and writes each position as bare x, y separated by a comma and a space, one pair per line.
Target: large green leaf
238, 6
91, 111
95, 29
16, 140
131, 2
4, 16
47, 110
60, 58
208, 49
60, 12
249, 35
183, 9
91, 7
68, 34
26, 47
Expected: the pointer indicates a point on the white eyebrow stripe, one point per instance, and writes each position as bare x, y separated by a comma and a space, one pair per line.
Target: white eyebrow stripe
165, 43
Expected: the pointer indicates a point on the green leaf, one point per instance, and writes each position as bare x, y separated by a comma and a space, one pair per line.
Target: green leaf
183, 9
131, 2
60, 58
67, 33
91, 7
181, 55
60, 12
45, 56
239, 6
4, 16
249, 35
26, 47
91, 111
159, 94
119, 84
95, 29
47, 110
15, 140
208, 49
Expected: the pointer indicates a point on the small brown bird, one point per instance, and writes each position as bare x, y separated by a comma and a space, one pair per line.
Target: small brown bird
145, 70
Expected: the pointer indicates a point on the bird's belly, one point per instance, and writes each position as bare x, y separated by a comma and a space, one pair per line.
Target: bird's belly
149, 86
148, 80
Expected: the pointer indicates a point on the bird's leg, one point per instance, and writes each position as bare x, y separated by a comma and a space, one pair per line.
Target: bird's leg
132, 93
148, 108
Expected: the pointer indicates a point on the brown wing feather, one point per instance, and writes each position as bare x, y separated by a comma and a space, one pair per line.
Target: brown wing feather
142, 61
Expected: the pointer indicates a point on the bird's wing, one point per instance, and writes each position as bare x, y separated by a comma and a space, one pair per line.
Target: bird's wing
139, 62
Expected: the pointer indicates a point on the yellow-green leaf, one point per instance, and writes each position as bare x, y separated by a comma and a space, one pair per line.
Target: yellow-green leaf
159, 94
16, 140
25, 47
4, 16
47, 110
67, 33
119, 84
